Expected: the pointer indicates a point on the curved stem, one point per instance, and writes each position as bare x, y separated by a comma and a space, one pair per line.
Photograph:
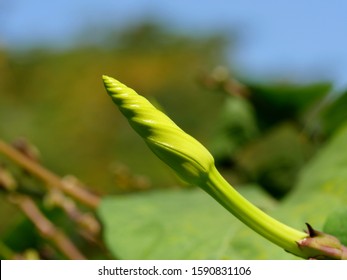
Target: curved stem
273, 230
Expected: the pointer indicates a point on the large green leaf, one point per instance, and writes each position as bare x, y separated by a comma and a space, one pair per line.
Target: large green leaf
175, 225
336, 224
327, 172
322, 186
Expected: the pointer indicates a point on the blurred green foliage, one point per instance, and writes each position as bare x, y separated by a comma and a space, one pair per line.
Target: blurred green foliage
262, 134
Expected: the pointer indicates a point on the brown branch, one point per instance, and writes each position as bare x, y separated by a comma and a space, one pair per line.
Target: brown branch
89, 225
48, 177
46, 228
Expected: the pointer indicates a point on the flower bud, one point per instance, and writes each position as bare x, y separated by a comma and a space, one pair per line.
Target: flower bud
183, 153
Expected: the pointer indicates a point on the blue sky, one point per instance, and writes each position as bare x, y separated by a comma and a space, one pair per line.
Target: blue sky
279, 38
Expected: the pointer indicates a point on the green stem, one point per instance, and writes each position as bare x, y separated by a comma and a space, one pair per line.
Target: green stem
273, 230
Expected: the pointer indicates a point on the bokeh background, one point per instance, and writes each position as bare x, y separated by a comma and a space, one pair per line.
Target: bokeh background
204, 63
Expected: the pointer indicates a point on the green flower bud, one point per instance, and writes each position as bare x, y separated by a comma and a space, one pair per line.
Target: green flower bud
183, 153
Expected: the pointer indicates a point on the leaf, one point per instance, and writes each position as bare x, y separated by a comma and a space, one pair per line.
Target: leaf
174, 225
283, 101
236, 126
335, 114
321, 188
274, 159
336, 224
327, 171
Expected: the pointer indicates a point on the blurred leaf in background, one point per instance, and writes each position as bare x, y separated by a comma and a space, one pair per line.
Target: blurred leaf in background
284, 101
334, 114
